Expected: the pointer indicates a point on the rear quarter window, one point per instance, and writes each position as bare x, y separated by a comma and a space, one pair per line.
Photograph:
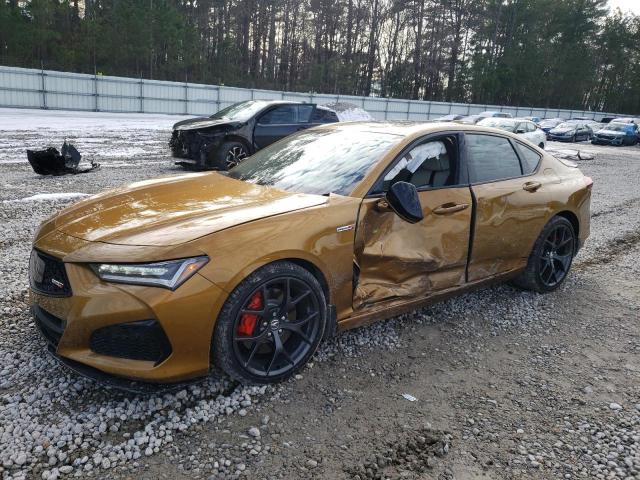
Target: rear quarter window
530, 158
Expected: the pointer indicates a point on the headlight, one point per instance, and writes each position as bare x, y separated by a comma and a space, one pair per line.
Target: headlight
170, 274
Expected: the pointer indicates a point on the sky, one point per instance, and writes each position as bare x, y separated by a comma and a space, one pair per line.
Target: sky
626, 5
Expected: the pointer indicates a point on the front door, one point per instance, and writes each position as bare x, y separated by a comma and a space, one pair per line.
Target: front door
397, 261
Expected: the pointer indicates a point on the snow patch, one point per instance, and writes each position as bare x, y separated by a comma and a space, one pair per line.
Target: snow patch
12, 119
43, 197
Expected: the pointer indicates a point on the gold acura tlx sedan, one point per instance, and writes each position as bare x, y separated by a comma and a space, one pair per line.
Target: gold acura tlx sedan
328, 229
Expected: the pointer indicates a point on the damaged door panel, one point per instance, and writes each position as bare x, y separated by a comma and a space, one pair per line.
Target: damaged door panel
400, 261
510, 212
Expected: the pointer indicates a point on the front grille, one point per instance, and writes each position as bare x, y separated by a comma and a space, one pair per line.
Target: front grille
47, 275
179, 144
50, 326
142, 340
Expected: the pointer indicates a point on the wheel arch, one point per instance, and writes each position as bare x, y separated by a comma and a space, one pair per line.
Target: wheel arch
302, 259
234, 137
573, 219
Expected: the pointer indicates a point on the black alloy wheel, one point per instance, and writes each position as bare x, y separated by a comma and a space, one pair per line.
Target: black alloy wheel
235, 155
271, 324
557, 253
550, 260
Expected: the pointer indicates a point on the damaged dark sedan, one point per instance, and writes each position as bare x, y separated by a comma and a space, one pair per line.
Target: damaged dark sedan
229, 136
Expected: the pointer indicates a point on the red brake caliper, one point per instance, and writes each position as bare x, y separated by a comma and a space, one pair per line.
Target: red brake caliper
248, 320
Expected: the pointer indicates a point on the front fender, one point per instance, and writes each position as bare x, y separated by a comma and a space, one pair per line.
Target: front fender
311, 235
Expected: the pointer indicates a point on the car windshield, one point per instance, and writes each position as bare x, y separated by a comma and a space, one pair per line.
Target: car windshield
501, 123
318, 161
616, 127
566, 125
550, 123
240, 111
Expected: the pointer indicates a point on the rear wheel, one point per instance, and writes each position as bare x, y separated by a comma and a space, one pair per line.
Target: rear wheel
551, 258
270, 325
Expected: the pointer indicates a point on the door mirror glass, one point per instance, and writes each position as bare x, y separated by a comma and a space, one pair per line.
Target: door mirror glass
404, 200
520, 130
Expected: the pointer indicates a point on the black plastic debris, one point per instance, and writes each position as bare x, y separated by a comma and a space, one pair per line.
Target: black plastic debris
53, 162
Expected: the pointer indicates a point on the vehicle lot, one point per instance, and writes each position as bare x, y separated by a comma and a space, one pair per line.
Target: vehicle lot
509, 384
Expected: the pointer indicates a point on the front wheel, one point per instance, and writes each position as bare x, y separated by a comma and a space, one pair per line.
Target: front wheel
551, 258
229, 155
270, 325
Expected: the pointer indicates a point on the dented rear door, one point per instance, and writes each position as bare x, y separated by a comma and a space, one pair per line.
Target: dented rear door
399, 261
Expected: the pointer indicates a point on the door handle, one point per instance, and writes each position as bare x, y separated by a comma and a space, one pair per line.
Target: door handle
531, 186
450, 208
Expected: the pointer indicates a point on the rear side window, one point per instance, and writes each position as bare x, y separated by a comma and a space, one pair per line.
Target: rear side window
491, 158
530, 159
304, 113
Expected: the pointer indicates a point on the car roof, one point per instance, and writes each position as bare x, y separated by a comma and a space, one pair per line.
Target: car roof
406, 128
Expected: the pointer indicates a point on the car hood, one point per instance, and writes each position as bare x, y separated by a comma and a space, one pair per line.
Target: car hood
174, 210
561, 130
611, 132
198, 123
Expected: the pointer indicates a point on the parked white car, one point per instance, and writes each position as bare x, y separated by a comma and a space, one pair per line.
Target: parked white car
523, 127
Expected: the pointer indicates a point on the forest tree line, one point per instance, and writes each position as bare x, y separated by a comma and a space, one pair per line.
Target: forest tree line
547, 53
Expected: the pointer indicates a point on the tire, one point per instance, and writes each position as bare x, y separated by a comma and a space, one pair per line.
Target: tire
550, 260
228, 155
270, 346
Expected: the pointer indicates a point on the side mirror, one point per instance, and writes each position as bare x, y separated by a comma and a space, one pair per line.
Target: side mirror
404, 200
520, 130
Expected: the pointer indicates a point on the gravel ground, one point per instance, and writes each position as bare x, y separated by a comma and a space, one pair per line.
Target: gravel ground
501, 383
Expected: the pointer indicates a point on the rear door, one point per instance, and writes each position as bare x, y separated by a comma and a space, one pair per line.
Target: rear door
510, 203
399, 261
281, 121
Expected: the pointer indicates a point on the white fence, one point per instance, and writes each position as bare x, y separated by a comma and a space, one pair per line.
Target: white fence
30, 88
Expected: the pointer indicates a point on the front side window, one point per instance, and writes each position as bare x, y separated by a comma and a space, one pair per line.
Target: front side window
491, 158
317, 161
282, 115
427, 165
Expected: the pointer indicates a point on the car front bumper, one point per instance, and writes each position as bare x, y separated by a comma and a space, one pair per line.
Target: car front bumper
608, 140
559, 138
136, 332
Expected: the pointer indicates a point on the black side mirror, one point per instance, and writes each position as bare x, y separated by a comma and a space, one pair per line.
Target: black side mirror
403, 198
520, 130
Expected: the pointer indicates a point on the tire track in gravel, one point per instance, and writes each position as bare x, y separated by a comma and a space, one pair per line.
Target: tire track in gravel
612, 249
633, 202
